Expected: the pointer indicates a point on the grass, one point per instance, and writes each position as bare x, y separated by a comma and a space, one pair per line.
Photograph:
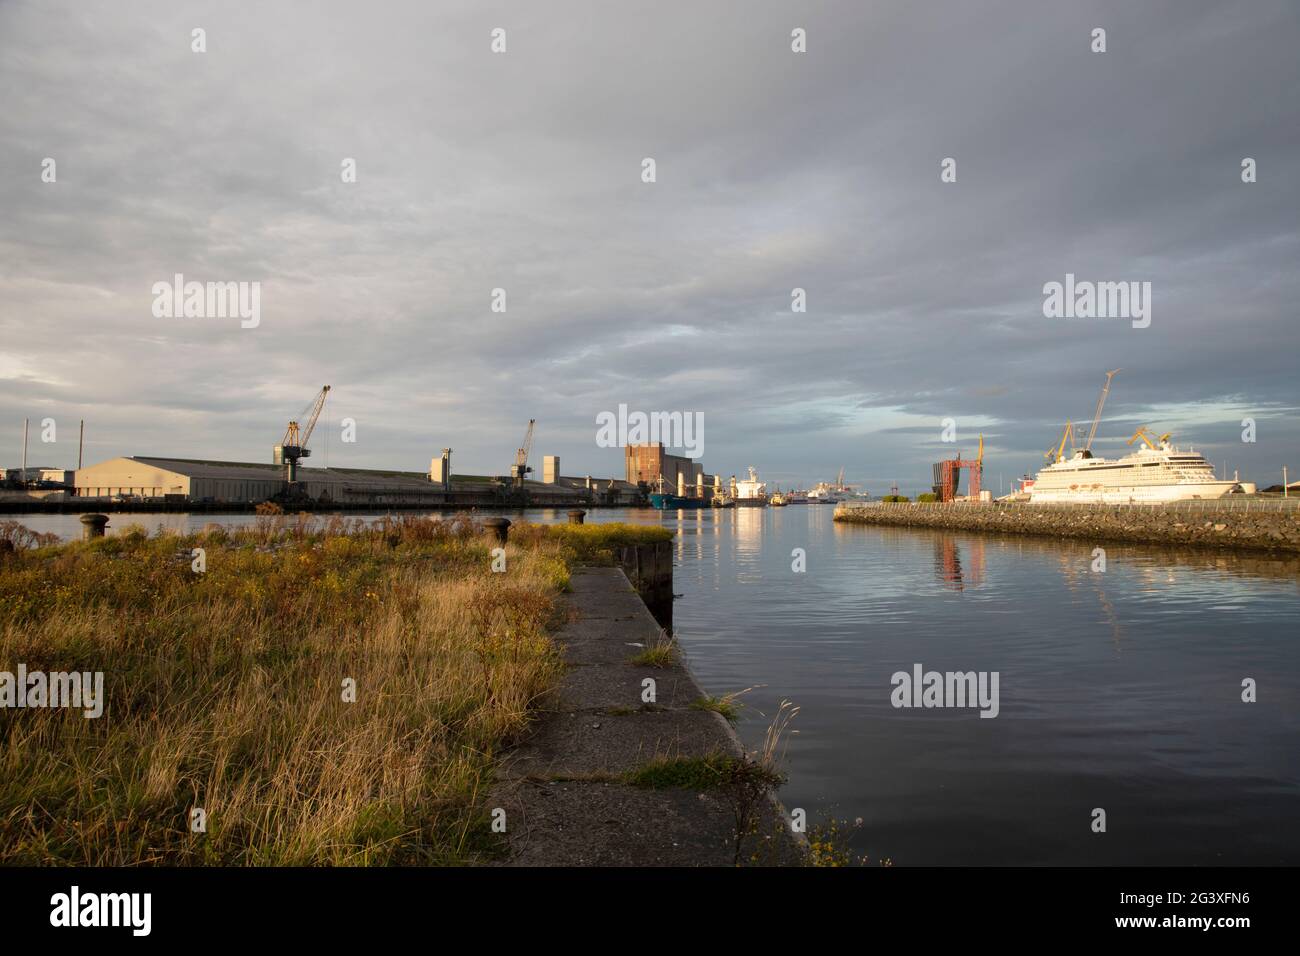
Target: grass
660, 651
685, 773
728, 705
590, 543
224, 690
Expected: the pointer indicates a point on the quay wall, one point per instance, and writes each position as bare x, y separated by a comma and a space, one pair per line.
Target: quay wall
1271, 526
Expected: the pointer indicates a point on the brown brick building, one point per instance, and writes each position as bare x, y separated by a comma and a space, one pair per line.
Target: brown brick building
646, 463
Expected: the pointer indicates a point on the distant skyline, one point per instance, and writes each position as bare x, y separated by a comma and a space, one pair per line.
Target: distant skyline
775, 171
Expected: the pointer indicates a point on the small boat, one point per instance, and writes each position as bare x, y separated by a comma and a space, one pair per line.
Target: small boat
777, 500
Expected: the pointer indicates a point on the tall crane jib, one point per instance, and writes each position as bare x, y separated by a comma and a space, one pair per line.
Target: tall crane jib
520, 468
293, 447
1101, 403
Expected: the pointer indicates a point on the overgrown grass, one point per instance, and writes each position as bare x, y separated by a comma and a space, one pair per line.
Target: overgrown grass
225, 690
660, 651
727, 705
591, 543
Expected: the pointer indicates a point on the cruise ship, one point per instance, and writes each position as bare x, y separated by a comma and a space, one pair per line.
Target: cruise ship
825, 493
1156, 472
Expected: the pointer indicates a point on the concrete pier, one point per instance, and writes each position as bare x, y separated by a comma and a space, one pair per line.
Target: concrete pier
563, 789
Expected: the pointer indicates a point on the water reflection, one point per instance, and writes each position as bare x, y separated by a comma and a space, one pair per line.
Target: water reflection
950, 568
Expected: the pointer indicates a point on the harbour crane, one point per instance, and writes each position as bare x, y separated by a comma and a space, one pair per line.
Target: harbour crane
1146, 437
1101, 403
520, 468
1058, 453
293, 446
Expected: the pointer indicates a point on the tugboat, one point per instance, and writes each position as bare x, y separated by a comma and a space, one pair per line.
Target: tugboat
777, 500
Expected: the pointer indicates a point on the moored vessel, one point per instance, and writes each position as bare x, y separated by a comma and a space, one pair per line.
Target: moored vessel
1157, 472
750, 492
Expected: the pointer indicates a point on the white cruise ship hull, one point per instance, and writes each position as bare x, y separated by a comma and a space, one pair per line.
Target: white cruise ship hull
1150, 475
1135, 494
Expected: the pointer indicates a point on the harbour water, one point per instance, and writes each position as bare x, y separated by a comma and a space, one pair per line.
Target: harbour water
1120, 690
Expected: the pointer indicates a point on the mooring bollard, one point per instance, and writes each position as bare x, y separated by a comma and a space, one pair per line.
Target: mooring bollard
499, 527
92, 526
575, 517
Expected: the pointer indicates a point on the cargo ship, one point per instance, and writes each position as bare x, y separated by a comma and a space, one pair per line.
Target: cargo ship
667, 501
750, 492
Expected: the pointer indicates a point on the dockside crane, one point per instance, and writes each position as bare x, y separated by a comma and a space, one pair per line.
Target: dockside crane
521, 468
1146, 437
1058, 452
1101, 403
293, 446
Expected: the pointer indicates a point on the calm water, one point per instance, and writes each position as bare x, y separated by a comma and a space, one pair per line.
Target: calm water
1119, 690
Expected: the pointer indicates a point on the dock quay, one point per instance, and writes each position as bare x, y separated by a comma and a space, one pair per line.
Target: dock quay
1226, 523
573, 792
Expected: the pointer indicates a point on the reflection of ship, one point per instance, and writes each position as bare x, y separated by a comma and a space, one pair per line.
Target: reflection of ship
750, 492
1156, 472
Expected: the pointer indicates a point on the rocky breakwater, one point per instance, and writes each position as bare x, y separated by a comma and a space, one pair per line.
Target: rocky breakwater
1197, 524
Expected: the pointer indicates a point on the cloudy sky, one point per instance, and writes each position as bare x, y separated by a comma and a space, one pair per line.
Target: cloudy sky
775, 170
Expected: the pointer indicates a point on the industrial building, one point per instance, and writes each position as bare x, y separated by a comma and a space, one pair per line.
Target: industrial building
608, 491
647, 463
191, 480
195, 481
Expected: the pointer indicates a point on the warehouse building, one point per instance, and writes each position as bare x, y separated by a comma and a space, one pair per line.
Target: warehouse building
609, 491
184, 479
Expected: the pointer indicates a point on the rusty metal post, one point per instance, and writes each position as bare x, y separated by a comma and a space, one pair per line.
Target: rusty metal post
576, 516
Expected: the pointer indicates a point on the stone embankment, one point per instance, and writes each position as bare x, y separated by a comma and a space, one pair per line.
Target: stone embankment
1197, 524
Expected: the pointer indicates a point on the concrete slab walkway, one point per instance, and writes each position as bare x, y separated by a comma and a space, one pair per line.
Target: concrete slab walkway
562, 788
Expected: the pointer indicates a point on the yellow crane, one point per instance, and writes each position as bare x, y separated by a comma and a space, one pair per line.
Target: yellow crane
1058, 453
520, 467
294, 444
1146, 437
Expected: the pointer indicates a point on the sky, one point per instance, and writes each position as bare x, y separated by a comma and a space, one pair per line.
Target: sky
774, 170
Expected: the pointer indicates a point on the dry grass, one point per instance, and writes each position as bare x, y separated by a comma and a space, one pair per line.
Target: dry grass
225, 691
